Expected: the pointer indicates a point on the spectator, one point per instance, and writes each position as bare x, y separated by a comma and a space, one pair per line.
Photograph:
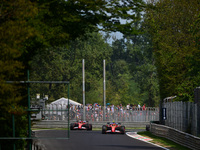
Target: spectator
127, 106
112, 108
121, 108
108, 109
143, 107
139, 106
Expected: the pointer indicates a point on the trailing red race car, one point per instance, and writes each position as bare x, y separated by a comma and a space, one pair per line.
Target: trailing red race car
113, 127
81, 125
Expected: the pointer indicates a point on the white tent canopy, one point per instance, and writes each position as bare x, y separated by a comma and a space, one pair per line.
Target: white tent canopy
64, 101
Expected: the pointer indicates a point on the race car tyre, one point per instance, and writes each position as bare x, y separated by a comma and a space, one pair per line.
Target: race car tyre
104, 128
89, 127
122, 129
71, 126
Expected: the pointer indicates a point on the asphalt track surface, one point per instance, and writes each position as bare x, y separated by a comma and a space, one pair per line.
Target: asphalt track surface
91, 140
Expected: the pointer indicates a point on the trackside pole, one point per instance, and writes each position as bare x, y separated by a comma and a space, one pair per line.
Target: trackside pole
104, 90
83, 89
13, 123
68, 112
29, 115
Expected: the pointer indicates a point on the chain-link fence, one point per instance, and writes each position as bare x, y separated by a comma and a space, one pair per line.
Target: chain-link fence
59, 112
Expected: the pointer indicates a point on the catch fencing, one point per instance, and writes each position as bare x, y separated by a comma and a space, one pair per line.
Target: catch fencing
95, 115
183, 116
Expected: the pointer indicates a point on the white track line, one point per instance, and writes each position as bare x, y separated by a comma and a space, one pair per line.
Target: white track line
141, 138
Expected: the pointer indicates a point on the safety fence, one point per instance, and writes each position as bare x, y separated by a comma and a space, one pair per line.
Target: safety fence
183, 116
136, 114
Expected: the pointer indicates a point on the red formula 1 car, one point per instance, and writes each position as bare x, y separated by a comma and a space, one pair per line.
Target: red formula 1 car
113, 127
81, 125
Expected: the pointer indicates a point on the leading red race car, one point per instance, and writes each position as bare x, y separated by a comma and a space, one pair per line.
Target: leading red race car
81, 125
113, 127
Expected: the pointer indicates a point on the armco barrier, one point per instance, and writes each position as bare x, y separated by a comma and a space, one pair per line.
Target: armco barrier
175, 135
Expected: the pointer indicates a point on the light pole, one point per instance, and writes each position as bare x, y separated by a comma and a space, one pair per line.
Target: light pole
104, 90
83, 63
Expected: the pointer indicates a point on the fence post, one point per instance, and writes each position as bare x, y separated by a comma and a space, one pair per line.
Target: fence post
195, 120
198, 119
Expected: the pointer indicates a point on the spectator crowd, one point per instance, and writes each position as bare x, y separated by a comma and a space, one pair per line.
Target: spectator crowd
95, 112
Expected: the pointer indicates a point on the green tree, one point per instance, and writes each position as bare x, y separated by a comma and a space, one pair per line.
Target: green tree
94, 50
171, 24
29, 27
119, 78
65, 64
14, 29
136, 51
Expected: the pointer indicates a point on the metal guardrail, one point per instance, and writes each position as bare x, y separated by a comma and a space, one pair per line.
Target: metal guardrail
175, 135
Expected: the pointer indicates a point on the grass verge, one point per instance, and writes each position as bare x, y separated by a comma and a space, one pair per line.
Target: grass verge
162, 141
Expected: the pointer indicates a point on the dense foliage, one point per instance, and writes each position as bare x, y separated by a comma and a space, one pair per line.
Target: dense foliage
65, 64
133, 72
174, 26
14, 31
130, 71
31, 27
159, 50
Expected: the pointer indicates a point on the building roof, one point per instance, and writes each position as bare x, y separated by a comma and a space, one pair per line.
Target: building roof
64, 101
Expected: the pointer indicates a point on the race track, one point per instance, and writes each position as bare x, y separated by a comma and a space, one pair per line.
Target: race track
91, 140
